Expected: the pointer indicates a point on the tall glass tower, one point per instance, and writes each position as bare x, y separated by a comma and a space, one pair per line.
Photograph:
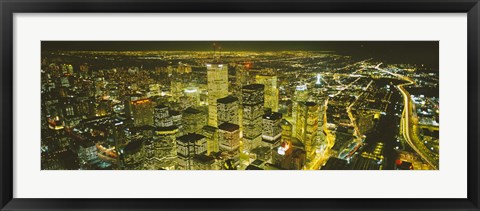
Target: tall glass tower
217, 83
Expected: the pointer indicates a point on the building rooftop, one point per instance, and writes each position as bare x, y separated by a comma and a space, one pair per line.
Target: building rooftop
191, 137
273, 116
309, 103
191, 110
204, 159
252, 167
174, 113
209, 128
168, 128
254, 87
162, 106
227, 99
228, 127
133, 146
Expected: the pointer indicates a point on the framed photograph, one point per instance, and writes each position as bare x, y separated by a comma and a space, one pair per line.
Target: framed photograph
252, 105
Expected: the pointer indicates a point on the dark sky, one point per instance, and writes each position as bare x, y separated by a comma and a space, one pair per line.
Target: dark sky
419, 52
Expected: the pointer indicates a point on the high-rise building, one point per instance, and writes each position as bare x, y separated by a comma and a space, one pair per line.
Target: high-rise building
176, 119
252, 112
241, 78
164, 142
192, 96
176, 88
142, 112
271, 91
193, 120
286, 130
188, 146
217, 82
272, 129
205, 162
162, 116
227, 110
229, 137
307, 127
211, 134
300, 95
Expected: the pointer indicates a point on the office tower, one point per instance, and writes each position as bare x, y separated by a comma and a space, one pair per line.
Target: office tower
193, 120
252, 112
272, 129
132, 155
176, 119
287, 130
188, 146
176, 88
142, 112
211, 134
322, 141
192, 96
300, 95
162, 116
241, 78
271, 90
217, 83
87, 152
227, 110
205, 162
229, 137
164, 143
307, 126
128, 104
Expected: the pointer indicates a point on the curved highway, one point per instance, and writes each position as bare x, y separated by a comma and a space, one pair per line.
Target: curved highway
406, 116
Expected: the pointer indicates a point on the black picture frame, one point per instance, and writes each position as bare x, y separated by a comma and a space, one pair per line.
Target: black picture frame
9, 7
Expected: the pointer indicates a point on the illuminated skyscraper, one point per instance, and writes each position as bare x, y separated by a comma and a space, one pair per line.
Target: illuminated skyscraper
176, 119
271, 90
193, 96
142, 112
188, 146
217, 82
211, 134
300, 95
176, 88
252, 106
162, 116
229, 137
227, 110
286, 130
193, 120
242, 78
165, 146
307, 127
272, 130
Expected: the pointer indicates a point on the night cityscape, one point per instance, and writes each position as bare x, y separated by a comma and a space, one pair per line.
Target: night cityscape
240, 105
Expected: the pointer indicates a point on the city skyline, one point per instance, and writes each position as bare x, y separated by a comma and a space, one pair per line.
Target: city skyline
405, 51
240, 105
